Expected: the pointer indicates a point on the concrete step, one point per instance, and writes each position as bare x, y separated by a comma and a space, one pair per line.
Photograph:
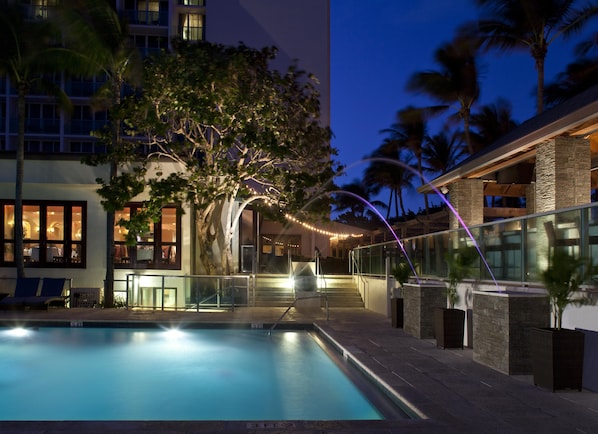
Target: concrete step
273, 291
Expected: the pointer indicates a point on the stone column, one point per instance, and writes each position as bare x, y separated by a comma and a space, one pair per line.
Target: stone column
501, 328
530, 198
467, 197
420, 301
562, 173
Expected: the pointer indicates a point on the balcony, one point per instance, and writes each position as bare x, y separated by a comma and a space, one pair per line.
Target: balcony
146, 18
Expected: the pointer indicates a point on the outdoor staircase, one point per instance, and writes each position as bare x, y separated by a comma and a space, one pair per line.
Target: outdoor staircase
272, 290
341, 291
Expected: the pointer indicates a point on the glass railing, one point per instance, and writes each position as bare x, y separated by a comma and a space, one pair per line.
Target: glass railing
154, 18
511, 250
190, 293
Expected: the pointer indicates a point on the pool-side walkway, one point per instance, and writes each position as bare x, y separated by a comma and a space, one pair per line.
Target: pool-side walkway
456, 394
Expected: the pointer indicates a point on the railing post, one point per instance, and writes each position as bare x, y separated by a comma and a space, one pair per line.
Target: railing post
218, 291
127, 293
163, 290
232, 293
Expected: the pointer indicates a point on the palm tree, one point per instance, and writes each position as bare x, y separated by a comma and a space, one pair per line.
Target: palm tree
356, 212
491, 122
586, 46
531, 25
443, 151
577, 77
396, 177
93, 29
456, 81
344, 202
409, 132
29, 53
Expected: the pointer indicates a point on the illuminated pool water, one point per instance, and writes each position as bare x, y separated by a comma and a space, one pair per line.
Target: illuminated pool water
151, 374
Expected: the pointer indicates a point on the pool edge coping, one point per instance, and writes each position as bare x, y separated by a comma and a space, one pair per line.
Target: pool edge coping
412, 411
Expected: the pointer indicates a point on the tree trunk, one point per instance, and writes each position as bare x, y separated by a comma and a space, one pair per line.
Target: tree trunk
227, 253
110, 223
206, 236
389, 204
117, 85
402, 203
423, 182
466, 131
18, 225
109, 280
540, 69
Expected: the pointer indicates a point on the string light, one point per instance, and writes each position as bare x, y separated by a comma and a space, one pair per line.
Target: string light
310, 227
321, 231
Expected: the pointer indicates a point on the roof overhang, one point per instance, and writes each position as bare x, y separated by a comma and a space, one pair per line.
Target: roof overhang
581, 121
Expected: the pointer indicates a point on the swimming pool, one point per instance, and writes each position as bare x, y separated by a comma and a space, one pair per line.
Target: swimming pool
54, 373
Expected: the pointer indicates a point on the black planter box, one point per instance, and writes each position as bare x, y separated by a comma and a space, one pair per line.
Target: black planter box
396, 312
557, 358
449, 326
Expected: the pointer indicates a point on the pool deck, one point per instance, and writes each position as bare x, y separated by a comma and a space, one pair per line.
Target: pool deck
456, 394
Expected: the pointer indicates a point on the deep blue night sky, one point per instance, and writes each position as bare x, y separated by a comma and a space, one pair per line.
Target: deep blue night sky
377, 45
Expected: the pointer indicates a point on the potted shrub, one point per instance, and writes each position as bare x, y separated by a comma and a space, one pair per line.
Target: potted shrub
557, 353
449, 323
401, 274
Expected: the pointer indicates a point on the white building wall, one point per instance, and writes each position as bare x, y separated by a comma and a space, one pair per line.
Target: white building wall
74, 181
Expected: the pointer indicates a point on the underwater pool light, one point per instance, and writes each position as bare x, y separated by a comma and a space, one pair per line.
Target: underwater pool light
19, 332
173, 334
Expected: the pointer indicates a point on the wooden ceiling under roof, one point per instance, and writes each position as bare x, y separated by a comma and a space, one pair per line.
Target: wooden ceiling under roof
504, 190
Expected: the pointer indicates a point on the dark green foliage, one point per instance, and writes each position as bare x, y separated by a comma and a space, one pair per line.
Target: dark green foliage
402, 272
460, 266
562, 279
225, 127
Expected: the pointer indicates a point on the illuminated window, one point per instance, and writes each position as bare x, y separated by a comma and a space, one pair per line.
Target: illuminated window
158, 248
192, 2
191, 27
147, 12
53, 233
38, 9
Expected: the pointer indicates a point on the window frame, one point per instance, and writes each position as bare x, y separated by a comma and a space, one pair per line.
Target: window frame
190, 33
43, 241
129, 260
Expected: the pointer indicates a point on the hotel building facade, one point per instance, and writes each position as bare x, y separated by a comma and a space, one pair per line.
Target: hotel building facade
64, 222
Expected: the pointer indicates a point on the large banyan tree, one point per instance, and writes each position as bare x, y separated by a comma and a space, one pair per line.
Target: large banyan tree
218, 129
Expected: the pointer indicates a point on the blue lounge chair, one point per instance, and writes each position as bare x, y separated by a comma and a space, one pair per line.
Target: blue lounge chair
26, 288
51, 294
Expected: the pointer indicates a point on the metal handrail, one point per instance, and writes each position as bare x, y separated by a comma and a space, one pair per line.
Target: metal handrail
293, 304
355, 266
320, 277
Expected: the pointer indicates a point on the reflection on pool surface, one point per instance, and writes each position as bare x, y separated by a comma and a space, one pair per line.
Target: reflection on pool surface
151, 374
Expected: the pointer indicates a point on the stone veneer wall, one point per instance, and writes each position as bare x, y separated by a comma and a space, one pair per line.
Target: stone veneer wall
501, 328
419, 303
467, 197
562, 173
